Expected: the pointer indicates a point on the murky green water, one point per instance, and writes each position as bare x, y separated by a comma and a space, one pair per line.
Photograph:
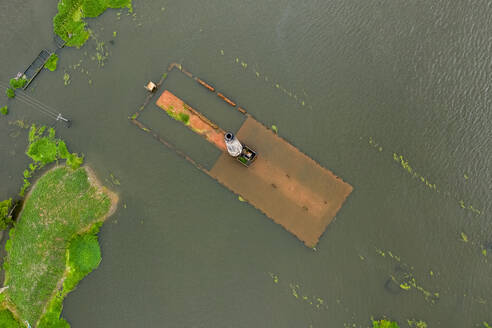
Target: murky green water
411, 77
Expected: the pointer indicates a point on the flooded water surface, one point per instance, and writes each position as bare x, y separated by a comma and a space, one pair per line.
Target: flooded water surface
392, 96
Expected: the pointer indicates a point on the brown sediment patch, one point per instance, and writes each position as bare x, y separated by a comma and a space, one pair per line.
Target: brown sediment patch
285, 184
113, 197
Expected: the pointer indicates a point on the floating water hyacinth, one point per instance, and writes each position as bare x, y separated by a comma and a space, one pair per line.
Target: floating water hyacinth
274, 277
404, 164
316, 302
407, 281
299, 100
412, 323
469, 207
374, 144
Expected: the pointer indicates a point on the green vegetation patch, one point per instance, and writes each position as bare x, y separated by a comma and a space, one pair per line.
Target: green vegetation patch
45, 149
4, 110
52, 62
383, 323
17, 82
242, 160
182, 117
10, 93
5, 218
46, 244
68, 23
7, 320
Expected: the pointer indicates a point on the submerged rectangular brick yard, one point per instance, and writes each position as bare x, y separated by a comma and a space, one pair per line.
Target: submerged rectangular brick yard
283, 183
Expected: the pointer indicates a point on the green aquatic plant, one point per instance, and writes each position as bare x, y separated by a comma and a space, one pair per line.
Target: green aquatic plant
69, 22
486, 325
7, 320
241, 199
469, 207
18, 82
5, 217
406, 280
10, 93
275, 277
374, 144
416, 323
4, 110
383, 323
275, 129
45, 149
66, 78
291, 94
52, 62
406, 166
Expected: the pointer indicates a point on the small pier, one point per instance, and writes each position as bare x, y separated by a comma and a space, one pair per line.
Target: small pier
36, 66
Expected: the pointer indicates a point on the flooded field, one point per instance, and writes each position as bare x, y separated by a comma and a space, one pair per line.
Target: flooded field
393, 97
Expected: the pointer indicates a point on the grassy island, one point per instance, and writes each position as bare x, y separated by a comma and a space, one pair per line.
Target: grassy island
53, 245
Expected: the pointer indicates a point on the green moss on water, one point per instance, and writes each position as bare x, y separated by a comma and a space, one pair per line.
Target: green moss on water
383, 323
17, 83
47, 244
5, 218
4, 110
47, 149
10, 93
52, 62
416, 323
69, 23
44, 148
66, 78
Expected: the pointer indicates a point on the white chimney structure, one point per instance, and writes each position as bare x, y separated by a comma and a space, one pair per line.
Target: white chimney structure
234, 147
